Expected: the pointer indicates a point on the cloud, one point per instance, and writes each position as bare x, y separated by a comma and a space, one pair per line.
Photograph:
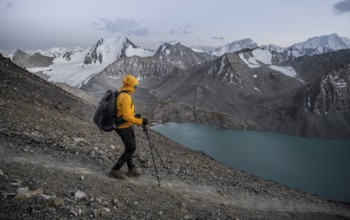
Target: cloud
182, 30
186, 29
170, 42
5, 6
217, 38
119, 25
197, 40
342, 7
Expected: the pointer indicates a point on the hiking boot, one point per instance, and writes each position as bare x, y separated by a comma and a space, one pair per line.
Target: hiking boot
118, 174
133, 172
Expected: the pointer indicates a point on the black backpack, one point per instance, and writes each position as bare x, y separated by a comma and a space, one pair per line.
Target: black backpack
105, 113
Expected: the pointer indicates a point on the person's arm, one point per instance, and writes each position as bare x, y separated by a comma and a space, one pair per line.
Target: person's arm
127, 113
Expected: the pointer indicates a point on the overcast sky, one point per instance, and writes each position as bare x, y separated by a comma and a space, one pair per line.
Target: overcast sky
34, 24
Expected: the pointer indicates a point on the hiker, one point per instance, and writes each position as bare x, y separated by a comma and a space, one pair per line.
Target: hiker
125, 110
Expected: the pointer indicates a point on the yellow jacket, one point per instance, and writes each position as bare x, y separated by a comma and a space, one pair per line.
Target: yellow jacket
125, 105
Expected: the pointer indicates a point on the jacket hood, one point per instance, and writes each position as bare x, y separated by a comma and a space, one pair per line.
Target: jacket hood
129, 83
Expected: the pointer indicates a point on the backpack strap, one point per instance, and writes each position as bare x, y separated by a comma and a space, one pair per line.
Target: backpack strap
120, 120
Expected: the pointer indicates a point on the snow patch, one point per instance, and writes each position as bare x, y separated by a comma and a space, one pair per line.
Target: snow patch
130, 51
309, 101
341, 84
38, 69
251, 62
167, 52
222, 65
259, 56
255, 88
263, 56
197, 50
286, 70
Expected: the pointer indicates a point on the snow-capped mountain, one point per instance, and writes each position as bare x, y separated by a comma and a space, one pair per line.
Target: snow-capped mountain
246, 43
312, 46
180, 56
24, 59
76, 66
56, 51
276, 55
169, 59
318, 45
109, 50
272, 47
4, 53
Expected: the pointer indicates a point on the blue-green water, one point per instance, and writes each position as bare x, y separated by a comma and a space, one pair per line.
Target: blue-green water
318, 166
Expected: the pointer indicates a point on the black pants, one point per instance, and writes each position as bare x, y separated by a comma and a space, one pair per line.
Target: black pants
128, 137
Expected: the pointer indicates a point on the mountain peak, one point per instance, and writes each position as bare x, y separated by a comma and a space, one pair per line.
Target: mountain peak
106, 48
235, 46
180, 55
169, 45
169, 48
319, 44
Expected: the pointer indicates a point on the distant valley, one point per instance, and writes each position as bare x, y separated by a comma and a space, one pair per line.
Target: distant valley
301, 90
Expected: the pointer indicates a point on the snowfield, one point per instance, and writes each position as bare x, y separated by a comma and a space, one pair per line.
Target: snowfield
75, 72
264, 56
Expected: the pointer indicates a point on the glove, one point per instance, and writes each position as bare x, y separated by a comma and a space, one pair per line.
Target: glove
137, 115
145, 121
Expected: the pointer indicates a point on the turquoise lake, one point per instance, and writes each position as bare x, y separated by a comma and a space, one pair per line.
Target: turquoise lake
317, 166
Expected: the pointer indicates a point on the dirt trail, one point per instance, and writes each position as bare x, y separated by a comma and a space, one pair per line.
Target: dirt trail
189, 193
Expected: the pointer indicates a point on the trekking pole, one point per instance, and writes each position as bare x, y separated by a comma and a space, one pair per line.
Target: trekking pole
155, 149
161, 159
150, 147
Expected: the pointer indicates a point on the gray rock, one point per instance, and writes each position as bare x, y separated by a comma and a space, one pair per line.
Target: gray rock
77, 194
117, 203
56, 202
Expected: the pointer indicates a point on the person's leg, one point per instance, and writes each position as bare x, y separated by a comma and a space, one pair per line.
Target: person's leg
128, 137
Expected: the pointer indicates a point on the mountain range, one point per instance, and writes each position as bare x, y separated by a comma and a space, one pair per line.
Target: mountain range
302, 89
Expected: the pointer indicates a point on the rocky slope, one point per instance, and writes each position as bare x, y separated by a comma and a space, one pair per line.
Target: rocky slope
92, 100
180, 56
168, 60
144, 68
54, 165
